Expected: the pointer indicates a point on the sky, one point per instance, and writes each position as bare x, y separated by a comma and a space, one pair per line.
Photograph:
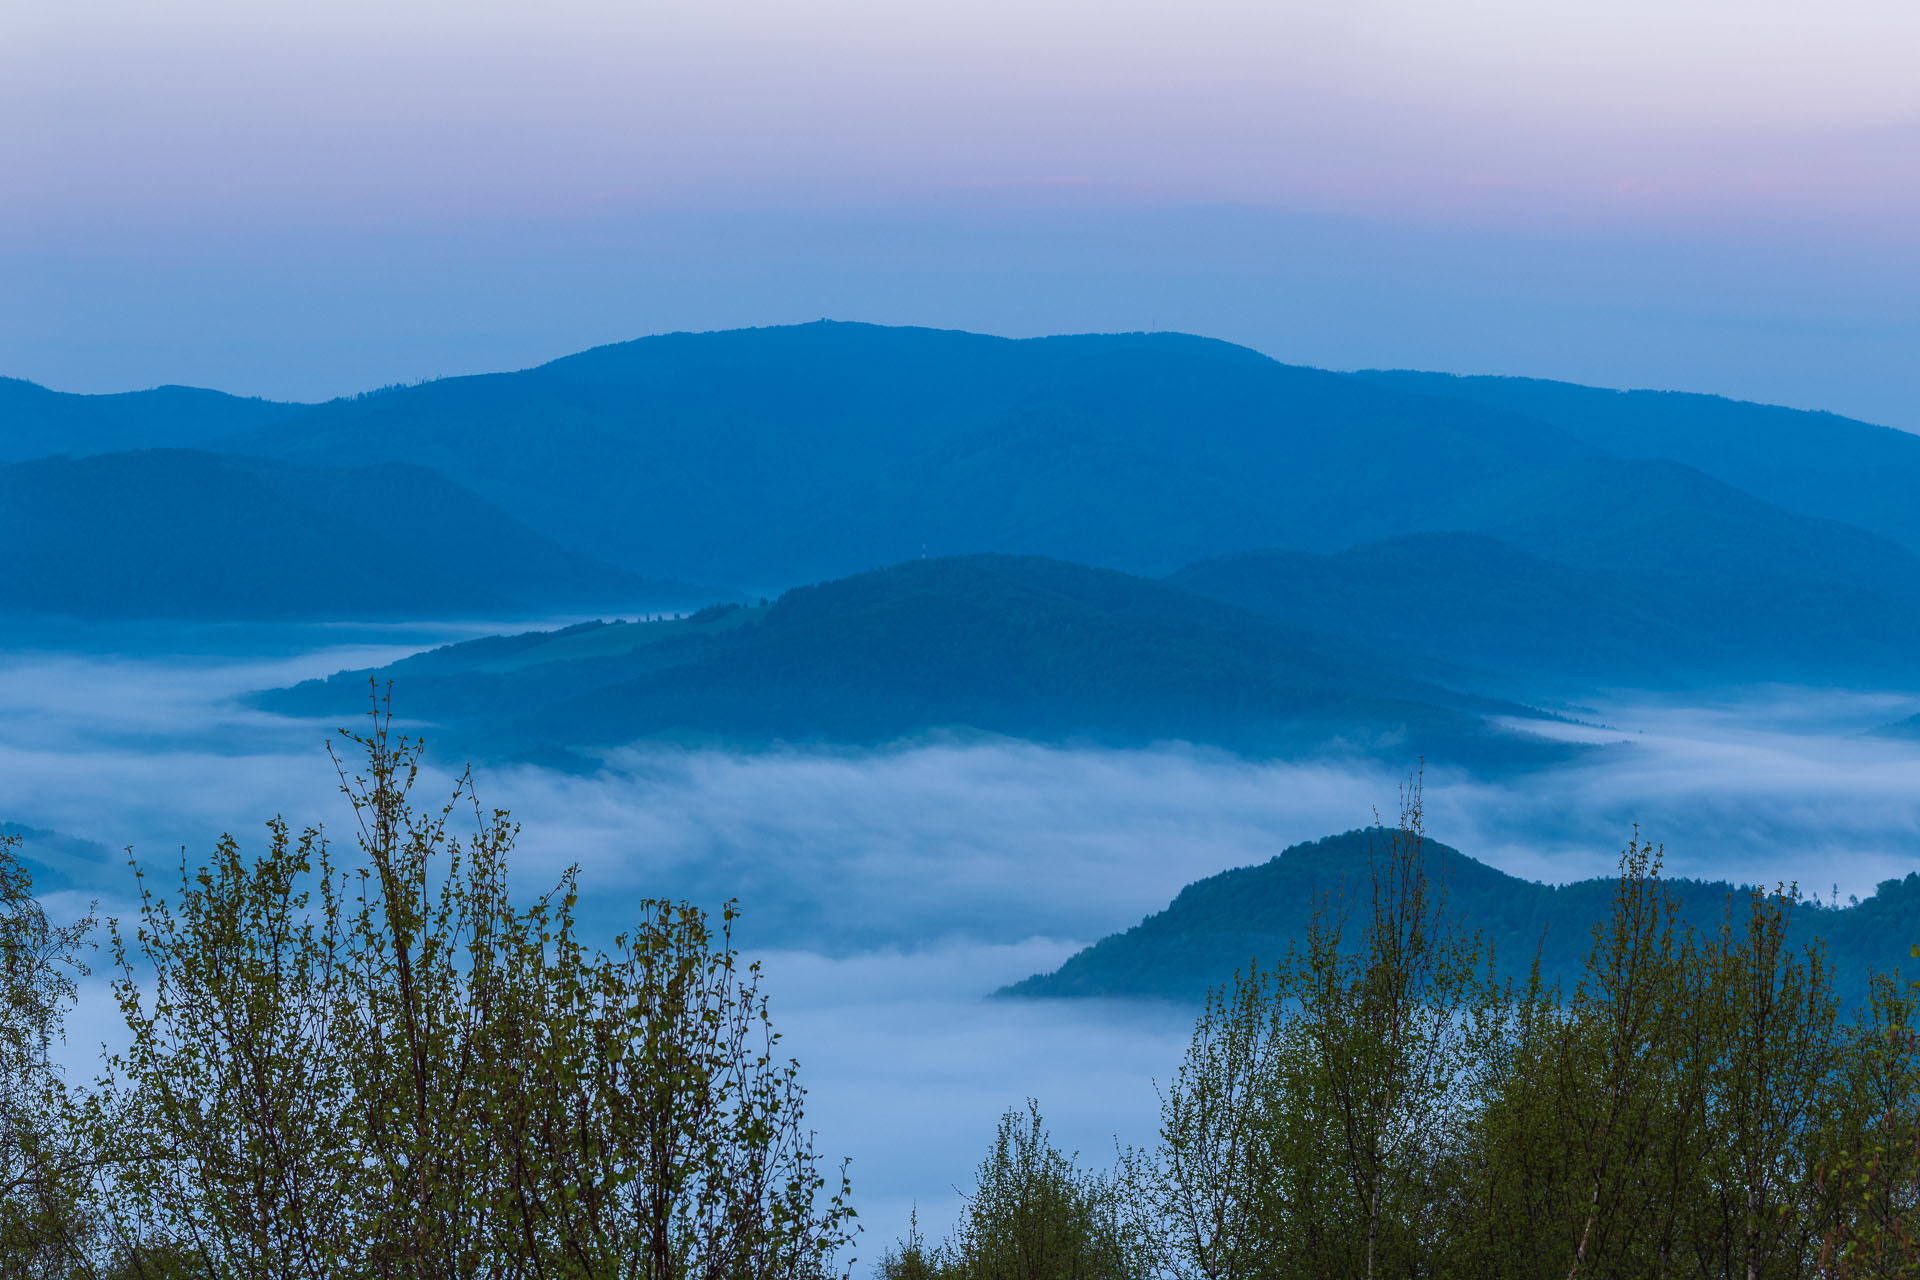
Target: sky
303, 200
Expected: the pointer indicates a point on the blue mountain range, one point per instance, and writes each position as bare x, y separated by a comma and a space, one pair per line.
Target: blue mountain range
1501, 538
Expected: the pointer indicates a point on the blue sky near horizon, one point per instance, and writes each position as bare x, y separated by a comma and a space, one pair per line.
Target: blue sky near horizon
302, 201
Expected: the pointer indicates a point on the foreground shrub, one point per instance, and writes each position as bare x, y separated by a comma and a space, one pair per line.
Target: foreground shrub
393, 1069
1694, 1106
44, 1161
1033, 1214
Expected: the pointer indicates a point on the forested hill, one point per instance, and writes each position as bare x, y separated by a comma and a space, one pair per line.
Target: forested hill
185, 534
753, 460
761, 458
1473, 600
1217, 925
36, 422
1814, 464
1017, 646
768, 457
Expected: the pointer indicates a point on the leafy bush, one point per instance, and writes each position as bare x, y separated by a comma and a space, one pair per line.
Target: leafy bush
1033, 1214
1391, 1109
42, 1164
393, 1069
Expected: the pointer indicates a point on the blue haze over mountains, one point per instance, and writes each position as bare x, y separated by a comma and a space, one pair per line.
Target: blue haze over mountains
909, 535
1630, 538
182, 533
1019, 647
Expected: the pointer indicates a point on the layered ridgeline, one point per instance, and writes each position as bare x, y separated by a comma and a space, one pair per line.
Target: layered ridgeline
1665, 538
36, 422
1815, 464
764, 458
767, 457
1539, 627
187, 534
1018, 646
1218, 925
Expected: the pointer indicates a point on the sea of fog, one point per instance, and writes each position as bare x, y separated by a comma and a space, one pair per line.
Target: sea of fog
888, 892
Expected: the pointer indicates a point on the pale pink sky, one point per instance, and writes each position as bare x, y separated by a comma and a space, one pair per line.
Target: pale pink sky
1597, 110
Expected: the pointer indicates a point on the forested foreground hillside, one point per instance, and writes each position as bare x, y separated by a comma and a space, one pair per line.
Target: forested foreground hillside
379, 1060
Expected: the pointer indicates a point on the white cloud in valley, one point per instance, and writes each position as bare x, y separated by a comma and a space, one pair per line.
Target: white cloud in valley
889, 891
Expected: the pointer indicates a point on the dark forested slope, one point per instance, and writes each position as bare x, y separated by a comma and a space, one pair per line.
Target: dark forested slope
1217, 925
1815, 464
1018, 646
184, 534
766, 457
36, 422
1472, 600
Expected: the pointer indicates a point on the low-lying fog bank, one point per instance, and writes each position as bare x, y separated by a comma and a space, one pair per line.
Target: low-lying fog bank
889, 891
842, 851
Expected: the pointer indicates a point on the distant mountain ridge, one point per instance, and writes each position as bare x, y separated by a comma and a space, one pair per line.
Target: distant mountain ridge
758, 459
1473, 601
1812, 463
770, 457
37, 423
187, 534
1218, 925
60, 862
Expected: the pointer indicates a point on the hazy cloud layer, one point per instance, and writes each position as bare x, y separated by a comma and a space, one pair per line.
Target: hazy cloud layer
999, 842
908, 1067
889, 891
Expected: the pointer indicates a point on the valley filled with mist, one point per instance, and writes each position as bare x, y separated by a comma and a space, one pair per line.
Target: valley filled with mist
893, 890
948, 657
